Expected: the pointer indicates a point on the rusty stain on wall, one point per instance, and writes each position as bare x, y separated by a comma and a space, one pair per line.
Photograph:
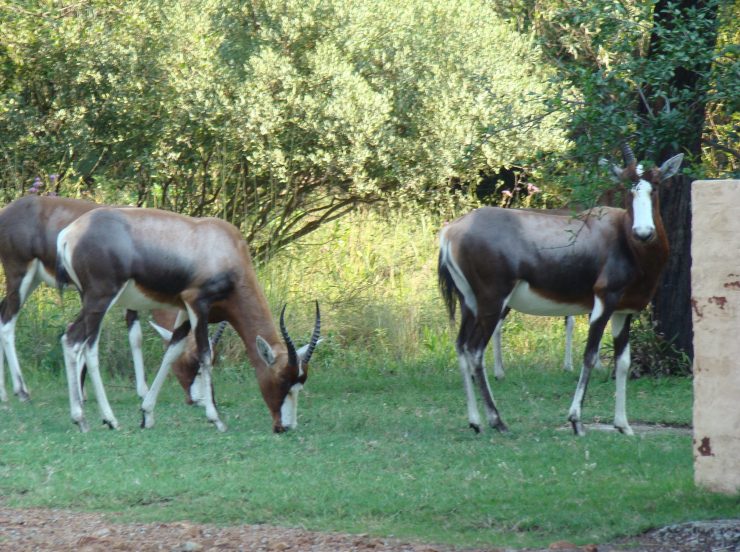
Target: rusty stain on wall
705, 449
719, 301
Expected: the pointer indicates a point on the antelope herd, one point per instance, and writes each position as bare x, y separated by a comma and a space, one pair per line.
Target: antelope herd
190, 272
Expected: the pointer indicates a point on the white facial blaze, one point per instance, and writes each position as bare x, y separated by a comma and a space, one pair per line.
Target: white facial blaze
289, 410
642, 209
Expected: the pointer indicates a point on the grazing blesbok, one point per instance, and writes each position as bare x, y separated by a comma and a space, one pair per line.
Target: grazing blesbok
29, 228
146, 258
604, 261
187, 366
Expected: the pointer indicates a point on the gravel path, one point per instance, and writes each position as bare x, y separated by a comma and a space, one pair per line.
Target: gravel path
27, 530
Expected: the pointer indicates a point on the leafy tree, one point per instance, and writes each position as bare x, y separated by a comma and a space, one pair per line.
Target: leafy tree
645, 71
278, 115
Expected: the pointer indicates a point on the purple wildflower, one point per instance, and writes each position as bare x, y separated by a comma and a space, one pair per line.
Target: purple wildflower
532, 189
507, 193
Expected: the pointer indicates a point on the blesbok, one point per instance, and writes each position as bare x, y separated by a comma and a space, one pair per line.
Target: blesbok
29, 227
605, 261
186, 367
147, 258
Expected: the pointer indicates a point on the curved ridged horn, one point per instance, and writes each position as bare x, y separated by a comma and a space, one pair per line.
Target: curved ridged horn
627, 155
219, 332
314, 336
292, 356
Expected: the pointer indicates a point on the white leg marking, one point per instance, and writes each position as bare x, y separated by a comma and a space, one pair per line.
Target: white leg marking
473, 414
211, 412
569, 325
476, 359
29, 283
150, 400
135, 339
622, 372
93, 369
197, 390
205, 373
574, 414
3, 393
498, 357
72, 360
7, 335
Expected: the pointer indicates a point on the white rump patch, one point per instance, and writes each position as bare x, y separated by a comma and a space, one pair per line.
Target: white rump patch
524, 299
457, 274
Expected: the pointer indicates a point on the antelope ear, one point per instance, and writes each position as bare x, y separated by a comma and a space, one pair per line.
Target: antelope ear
265, 351
303, 350
164, 333
670, 167
614, 170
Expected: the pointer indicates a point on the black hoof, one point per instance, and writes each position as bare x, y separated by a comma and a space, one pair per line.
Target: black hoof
475, 427
109, 424
23, 396
500, 427
578, 428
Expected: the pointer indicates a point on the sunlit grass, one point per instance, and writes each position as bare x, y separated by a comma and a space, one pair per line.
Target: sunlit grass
382, 445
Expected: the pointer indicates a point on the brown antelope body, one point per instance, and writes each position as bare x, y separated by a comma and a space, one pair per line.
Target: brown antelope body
29, 228
604, 261
146, 258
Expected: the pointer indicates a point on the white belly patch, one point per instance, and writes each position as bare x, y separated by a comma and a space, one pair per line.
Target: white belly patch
524, 299
131, 298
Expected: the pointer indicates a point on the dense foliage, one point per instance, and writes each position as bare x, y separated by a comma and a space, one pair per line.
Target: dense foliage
277, 115
643, 70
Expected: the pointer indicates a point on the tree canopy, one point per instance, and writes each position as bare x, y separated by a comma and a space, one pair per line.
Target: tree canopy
277, 115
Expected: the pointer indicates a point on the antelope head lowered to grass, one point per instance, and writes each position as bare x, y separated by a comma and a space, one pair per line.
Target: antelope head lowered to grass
147, 258
604, 261
186, 367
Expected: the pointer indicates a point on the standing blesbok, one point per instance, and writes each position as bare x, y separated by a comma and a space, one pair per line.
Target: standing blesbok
146, 258
29, 228
604, 261
187, 366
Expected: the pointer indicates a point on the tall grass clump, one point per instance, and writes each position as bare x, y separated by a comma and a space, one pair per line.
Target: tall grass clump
374, 275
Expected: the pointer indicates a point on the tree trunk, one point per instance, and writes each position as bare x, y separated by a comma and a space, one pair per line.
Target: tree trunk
672, 301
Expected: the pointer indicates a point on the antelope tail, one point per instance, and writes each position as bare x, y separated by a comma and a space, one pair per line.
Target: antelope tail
447, 285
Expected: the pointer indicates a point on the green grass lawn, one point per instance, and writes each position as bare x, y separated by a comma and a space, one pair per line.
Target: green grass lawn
382, 447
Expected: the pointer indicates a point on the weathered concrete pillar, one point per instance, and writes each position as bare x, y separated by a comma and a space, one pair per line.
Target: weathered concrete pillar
715, 298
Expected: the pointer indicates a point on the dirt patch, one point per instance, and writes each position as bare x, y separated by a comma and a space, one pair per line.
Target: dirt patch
638, 428
61, 531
